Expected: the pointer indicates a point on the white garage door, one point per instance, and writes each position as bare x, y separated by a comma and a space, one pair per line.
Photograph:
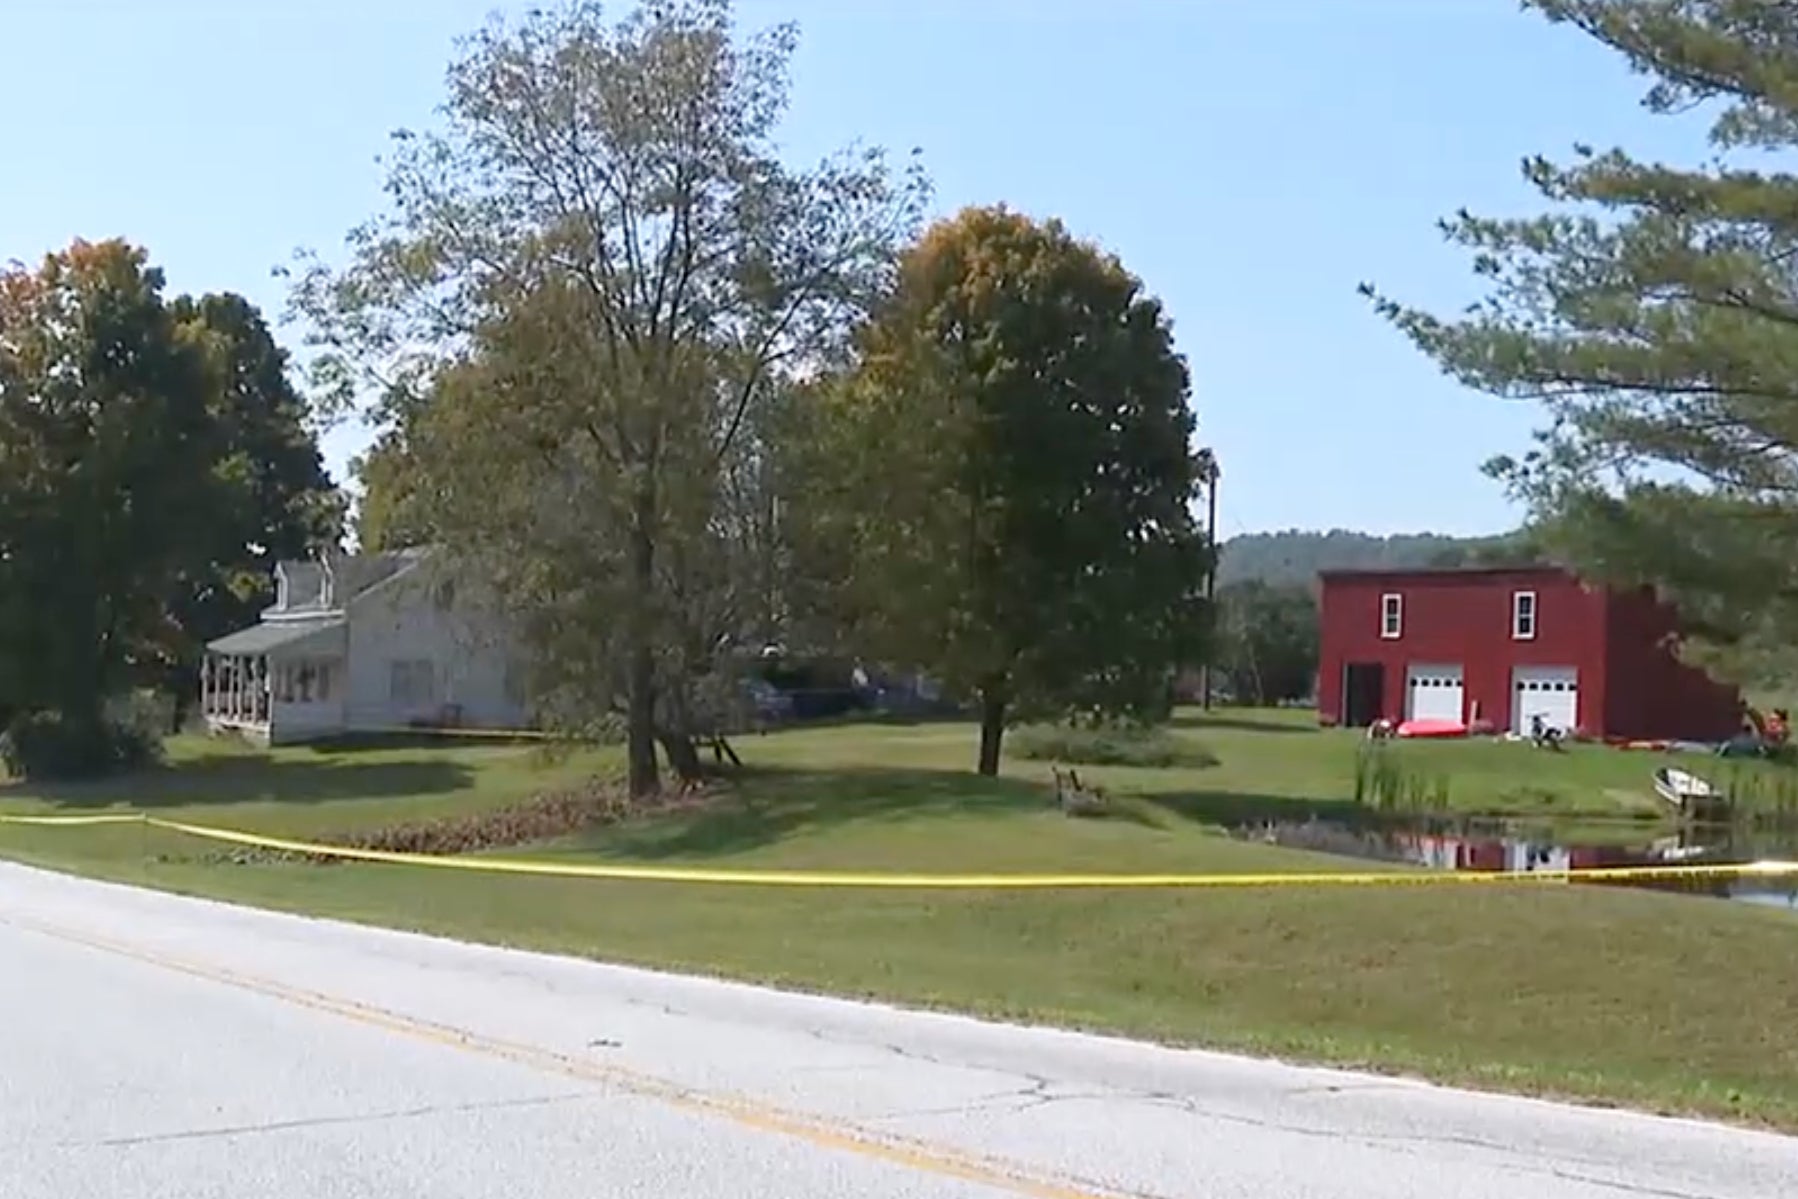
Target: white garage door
1433, 693
1549, 691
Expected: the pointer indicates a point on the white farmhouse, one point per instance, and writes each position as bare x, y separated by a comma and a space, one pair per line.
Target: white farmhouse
363, 643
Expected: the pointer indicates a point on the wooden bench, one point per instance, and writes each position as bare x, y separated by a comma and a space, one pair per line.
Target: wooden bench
1074, 798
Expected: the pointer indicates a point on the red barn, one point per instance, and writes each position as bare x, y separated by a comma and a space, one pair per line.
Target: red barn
1502, 645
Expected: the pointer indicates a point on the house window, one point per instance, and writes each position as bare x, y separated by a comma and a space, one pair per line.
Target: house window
1523, 615
1392, 616
412, 682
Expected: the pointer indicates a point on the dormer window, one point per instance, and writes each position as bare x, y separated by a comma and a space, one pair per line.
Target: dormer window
1523, 615
1392, 616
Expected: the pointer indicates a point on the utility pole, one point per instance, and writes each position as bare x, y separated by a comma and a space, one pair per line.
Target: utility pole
1211, 476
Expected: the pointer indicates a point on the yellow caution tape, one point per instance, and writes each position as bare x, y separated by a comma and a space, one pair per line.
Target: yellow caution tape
1400, 876
74, 821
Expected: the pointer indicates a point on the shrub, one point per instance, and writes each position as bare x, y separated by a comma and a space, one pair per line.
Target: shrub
1109, 745
47, 745
149, 711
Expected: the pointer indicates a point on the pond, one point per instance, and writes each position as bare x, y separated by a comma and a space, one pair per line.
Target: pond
1493, 846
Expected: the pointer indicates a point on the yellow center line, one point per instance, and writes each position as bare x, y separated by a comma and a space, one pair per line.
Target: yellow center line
824, 1133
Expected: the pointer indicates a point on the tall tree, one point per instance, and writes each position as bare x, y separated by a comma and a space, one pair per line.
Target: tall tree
275, 499
1266, 642
106, 482
156, 462
1007, 478
1654, 312
603, 232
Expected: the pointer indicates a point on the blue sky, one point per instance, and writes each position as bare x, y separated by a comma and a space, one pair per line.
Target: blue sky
1252, 162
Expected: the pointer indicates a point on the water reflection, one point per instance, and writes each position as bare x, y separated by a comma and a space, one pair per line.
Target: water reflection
1511, 847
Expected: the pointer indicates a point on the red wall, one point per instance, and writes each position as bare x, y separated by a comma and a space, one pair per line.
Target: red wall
1653, 694
1463, 617
1631, 682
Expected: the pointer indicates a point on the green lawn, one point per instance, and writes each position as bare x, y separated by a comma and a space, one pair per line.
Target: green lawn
1648, 999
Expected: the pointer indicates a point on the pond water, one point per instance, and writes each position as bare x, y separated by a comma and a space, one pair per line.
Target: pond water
1501, 847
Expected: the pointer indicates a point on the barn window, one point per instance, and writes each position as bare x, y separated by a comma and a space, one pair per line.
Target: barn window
1392, 615
1523, 615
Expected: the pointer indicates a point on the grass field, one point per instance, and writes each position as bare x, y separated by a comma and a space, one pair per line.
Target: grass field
1647, 999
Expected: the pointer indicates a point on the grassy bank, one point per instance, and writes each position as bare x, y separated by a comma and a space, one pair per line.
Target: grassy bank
1647, 999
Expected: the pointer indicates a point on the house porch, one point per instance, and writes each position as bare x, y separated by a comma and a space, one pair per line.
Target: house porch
276, 682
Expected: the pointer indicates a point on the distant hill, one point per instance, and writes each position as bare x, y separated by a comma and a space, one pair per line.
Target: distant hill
1295, 556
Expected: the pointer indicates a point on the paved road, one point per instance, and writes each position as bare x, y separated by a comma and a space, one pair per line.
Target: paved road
155, 1047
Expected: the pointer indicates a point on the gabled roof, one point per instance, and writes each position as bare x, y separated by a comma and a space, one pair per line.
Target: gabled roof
318, 591
331, 583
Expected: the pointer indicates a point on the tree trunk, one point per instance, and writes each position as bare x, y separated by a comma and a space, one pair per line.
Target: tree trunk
640, 724
683, 755
640, 713
992, 728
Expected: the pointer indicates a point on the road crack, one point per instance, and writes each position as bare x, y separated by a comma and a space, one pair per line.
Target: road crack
275, 1126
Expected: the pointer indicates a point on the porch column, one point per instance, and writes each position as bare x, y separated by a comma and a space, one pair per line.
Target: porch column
206, 685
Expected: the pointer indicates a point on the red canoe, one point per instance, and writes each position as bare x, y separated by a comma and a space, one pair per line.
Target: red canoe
1432, 728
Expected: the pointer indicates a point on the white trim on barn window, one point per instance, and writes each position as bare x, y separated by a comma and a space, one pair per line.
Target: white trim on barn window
1392, 615
1523, 615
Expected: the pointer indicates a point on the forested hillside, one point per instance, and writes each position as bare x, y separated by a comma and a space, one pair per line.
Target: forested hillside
1295, 556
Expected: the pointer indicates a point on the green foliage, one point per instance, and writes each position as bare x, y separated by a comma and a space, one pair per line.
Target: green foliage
1266, 641
1653, 313
388, 512
153, 460
48, 746
273, 498
1005, 482
106, 484
1109, 745
580, 342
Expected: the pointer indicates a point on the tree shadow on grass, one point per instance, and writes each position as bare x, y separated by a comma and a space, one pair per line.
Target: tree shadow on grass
773, 803
237, 777
1240, 724
1235, 809
427, 739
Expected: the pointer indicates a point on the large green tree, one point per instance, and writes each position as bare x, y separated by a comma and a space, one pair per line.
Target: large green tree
154, 461
1266, 641
1654, 312
106, 449
604, 233
1005, 481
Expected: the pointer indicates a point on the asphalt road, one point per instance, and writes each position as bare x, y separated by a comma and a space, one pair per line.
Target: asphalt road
156, 1047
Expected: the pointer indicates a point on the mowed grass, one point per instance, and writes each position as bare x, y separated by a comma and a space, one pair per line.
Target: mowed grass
1652, 1000
305, 790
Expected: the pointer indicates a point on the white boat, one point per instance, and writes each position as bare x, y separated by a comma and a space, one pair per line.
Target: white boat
1684, 790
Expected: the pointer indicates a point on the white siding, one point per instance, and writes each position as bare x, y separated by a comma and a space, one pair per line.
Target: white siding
400, 620
292, 722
